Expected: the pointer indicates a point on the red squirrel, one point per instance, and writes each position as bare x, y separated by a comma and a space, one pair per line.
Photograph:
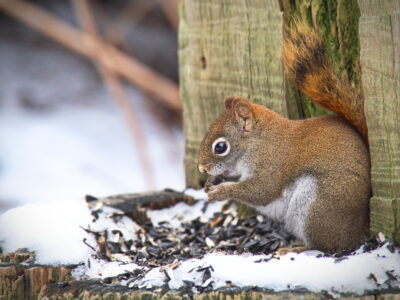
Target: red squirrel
312, 175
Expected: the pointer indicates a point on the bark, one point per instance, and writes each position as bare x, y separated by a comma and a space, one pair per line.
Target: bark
19, 281
136, 205
93, 290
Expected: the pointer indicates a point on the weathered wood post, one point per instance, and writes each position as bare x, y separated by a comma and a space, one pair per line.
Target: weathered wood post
380, 62
233, 48
226, 48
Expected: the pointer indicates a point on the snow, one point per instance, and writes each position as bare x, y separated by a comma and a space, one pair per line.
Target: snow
102, 269
182, 212
196, 194
304, 270
125, 225
310, 270
70, 153
61, 133
54, 231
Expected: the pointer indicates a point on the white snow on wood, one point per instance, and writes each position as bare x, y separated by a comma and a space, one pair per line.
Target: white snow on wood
291, 271
125, 225
182, 212
56, 231
96, 268
53, 232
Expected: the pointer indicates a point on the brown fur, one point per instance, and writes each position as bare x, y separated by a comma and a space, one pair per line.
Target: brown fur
270, 152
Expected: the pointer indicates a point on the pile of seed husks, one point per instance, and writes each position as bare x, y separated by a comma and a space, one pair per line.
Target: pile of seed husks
164, 244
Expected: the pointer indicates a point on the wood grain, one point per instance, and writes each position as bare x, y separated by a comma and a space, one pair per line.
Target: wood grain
380, 62
226, 48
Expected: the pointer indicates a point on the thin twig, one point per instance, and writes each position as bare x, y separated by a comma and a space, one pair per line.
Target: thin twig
129, 17
87, 22
120, 63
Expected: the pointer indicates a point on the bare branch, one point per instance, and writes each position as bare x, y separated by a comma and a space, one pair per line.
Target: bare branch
86, 19
89, 46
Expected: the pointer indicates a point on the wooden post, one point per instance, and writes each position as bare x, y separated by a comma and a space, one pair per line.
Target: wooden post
226, 48
380, 61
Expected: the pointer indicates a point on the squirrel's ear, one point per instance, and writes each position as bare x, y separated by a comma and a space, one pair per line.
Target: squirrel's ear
241, 109
229, 102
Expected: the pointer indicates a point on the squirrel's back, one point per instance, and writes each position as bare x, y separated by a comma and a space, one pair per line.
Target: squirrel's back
336, 140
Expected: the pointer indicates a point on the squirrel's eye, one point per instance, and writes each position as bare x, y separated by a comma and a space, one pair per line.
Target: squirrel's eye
221, 147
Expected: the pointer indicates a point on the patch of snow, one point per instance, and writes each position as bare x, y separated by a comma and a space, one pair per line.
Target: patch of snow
52, 230
182, 212
62, 136
57, 238
303, 270
96, 268
76, 151
123, 224
56, 232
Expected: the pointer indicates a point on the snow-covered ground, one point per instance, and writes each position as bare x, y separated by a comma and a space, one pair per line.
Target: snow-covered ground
58, 238
292, 271
75, 151
53, 230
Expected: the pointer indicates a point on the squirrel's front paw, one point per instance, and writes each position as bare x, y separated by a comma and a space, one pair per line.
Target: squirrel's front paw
219, 192
212, 181
209, 183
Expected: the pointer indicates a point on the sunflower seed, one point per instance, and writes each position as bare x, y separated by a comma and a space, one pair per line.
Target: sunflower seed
209, 243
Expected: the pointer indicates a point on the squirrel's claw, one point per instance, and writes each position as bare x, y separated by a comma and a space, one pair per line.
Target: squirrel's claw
212, 181
219, 192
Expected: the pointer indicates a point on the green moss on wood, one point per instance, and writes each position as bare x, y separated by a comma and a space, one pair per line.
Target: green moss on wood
338, 22
348, 20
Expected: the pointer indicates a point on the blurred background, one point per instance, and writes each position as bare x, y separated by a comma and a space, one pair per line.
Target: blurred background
89, 100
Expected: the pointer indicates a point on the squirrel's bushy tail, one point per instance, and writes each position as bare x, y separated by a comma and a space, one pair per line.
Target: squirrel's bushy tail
308, 68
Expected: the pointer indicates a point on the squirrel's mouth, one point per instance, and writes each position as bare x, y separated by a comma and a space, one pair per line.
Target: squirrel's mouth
222, 178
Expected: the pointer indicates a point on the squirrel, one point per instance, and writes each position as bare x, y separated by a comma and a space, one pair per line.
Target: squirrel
313, 175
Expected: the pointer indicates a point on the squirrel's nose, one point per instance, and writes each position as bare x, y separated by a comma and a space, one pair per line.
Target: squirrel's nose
202, 168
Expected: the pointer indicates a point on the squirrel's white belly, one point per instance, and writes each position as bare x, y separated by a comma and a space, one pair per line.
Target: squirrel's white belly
292, 207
